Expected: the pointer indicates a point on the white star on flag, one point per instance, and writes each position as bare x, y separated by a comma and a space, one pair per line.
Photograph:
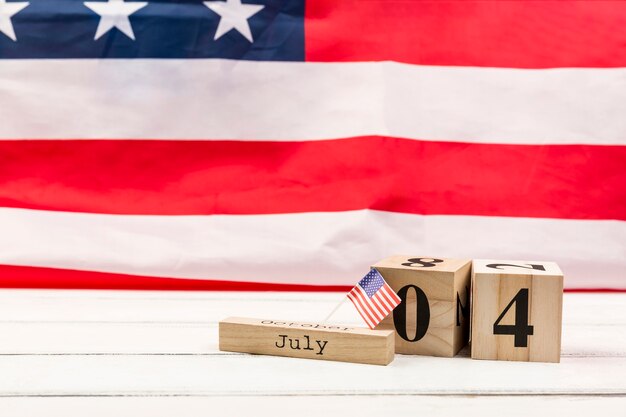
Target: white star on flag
234, 15
7, 10
114, 14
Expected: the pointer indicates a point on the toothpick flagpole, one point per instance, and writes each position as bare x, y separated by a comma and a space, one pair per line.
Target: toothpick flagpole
339, 304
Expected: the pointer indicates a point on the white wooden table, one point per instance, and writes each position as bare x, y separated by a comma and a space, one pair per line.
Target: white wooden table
112, 353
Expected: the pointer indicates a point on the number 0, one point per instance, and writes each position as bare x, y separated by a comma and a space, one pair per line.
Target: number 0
423, 314
521, 329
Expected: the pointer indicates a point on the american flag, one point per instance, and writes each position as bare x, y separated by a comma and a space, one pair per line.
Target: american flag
373, 298
286, 144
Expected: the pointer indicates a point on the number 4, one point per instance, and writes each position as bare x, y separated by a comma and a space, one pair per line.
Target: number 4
521, 329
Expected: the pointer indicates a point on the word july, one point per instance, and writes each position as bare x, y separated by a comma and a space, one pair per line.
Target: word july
295, 343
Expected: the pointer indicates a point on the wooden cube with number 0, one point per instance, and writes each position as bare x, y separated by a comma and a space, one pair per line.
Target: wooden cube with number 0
433, 317
516, 310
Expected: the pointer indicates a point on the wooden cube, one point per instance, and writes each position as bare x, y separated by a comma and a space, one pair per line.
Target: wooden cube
433, 318
516, 310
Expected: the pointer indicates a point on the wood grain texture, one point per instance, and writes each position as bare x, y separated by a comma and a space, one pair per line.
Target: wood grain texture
243, 374
307, 340
316, 406
71, 353
442, 280
495, 284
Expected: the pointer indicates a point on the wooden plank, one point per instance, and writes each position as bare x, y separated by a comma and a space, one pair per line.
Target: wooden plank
153, 343
166, 306
307, 340
108, 338
184, 370
209, 307
237, 375
199, 338
90, 322
316, 406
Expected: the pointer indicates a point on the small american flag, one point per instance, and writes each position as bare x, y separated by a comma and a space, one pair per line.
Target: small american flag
373, 298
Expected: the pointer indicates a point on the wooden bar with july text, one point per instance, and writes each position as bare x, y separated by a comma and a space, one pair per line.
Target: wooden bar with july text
307, 340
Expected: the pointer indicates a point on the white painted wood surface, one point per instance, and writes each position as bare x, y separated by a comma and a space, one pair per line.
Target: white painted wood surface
100, 353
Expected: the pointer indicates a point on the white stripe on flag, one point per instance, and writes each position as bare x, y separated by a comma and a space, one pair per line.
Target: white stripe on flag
391, 295
375, 302
359, 307
309, 248
385, 297
222, 99
375, 299
381, 299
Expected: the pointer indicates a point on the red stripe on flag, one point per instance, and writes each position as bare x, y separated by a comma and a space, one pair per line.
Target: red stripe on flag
378, 305
369, 304
392, 298
380, 296
54, 278
518, 34
38, 277
398, 175
392, 294
372, 314
362, 309
375, 305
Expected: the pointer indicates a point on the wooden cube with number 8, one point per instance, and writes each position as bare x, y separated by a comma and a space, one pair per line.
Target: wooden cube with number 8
433, 317
516, 310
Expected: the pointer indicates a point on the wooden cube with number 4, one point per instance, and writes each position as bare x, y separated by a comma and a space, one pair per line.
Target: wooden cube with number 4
433, 317
516, 310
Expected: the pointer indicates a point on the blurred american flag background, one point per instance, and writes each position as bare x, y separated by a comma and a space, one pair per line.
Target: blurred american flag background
290, 144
